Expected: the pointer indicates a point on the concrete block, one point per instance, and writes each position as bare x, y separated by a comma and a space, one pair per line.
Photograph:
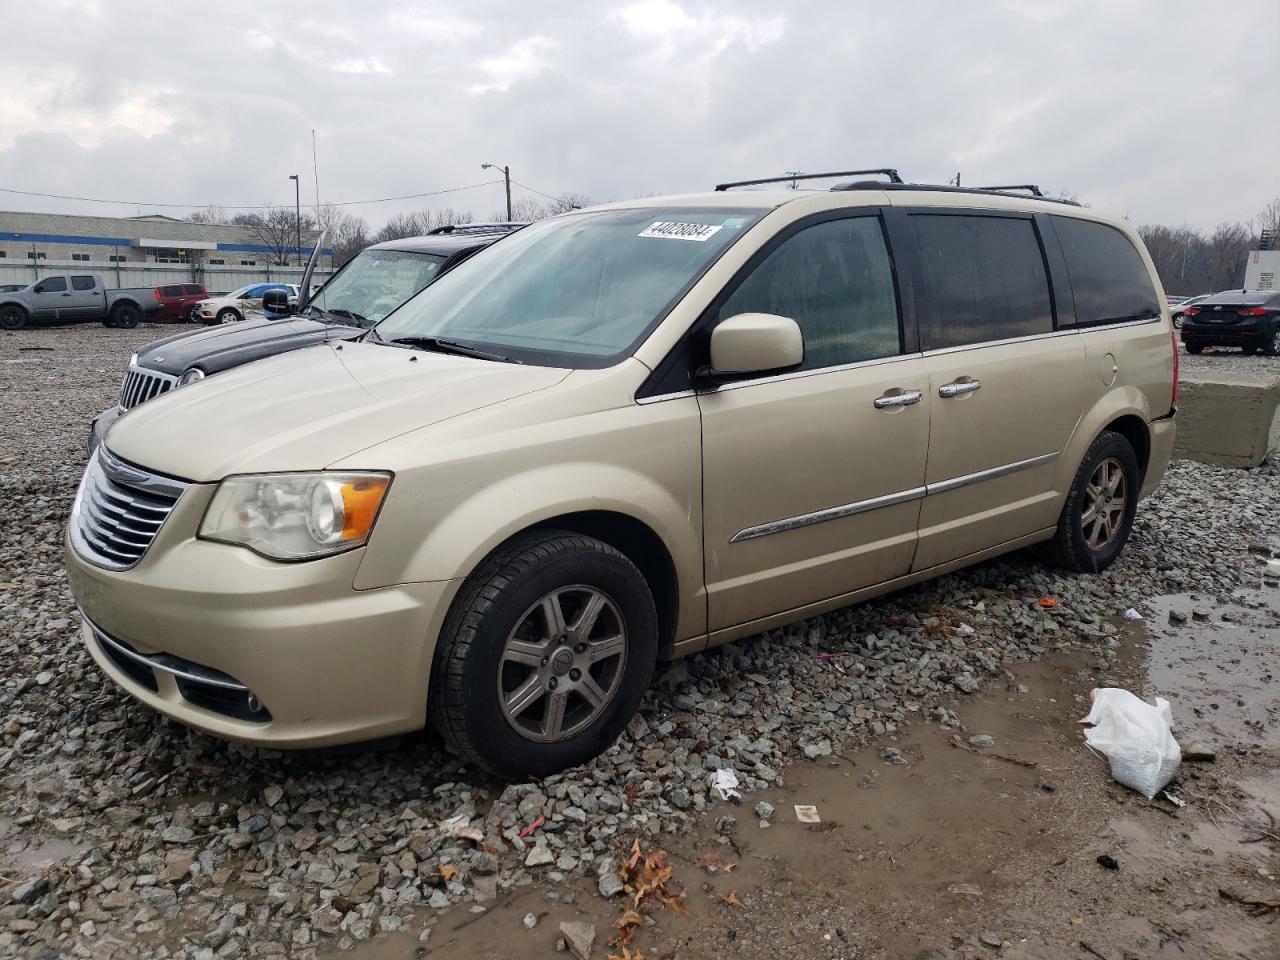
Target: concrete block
1228, 418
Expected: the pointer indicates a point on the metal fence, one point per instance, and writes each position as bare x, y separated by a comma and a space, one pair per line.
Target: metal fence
216, 279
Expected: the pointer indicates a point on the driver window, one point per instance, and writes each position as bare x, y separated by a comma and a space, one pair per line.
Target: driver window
52, 285
835, 280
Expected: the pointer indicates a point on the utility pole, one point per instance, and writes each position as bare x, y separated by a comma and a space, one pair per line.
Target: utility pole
794, 173
297, 213
956, 181
506, 173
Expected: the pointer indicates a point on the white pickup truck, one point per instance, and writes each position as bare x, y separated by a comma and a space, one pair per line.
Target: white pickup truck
76, 296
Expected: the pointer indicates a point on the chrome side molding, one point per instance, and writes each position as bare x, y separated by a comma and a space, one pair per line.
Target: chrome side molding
888, 500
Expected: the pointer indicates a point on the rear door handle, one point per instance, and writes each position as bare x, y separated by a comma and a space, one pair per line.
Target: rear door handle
904, 398
959, 388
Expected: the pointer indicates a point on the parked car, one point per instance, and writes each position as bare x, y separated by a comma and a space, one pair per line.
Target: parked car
635, 430
177, 300
365, 290
1248, 319
1178, 306
11, 287
76, 297
238, 304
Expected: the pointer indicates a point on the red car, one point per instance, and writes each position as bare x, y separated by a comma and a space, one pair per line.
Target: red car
177, 299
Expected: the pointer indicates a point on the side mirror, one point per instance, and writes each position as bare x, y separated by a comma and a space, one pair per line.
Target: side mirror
754, 343
275, 301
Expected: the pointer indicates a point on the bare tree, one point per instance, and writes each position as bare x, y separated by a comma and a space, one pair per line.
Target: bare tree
1269, 221
277, 230
529, 208
347, 234
421, 222
1229, 246
210, 214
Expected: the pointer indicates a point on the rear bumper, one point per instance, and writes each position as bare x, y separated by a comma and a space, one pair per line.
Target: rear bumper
1163, 432
1235, 335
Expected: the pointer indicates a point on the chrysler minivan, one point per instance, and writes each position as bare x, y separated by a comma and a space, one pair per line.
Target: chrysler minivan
622, 434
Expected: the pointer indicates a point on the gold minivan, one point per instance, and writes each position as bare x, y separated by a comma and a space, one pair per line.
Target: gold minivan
624, 433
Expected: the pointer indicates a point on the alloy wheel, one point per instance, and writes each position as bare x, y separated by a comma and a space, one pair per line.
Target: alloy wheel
562, 664
1106, 498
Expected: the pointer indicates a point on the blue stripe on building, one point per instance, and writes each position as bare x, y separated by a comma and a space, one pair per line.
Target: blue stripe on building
126, 242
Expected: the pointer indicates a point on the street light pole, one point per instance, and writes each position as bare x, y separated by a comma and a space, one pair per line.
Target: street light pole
506, 174
297, 214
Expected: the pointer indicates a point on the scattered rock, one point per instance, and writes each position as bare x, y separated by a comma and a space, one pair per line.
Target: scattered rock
1199, 753
579, 937
764, 810
982, 740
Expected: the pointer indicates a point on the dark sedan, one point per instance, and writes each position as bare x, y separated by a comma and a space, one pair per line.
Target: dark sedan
363, 292
1249, 319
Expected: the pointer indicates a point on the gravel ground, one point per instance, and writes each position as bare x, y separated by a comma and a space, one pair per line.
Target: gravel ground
127, 835
1230, 360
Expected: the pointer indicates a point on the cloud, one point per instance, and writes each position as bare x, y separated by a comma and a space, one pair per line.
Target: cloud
1122, 103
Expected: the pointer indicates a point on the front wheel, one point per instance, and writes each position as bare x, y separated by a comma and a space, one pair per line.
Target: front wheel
1195, 348
228, 316
1098, 516
545, 655
12, 318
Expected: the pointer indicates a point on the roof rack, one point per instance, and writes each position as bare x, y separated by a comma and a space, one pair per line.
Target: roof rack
1009, 188
882, 171
489, 227
942, 188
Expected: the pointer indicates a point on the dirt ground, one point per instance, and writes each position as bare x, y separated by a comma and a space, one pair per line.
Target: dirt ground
936, 851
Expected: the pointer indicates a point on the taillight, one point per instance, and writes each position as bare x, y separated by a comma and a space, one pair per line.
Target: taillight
155, 292
1252, 312
1173, 401
1190, 311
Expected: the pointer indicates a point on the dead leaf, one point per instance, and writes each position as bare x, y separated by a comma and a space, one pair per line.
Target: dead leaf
447, 871
712, 863
733, 901
1048, 602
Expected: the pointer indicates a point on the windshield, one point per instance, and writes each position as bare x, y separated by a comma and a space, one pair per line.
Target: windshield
240, 294
579, 290
376, 282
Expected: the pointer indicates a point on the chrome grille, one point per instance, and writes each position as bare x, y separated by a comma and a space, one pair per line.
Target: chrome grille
141, 385
118, 511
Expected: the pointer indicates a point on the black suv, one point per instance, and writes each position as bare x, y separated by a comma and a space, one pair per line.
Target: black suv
371, 285
1249, 319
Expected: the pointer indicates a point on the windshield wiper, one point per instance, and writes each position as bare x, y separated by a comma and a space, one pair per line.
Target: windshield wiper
351, 315
440, 345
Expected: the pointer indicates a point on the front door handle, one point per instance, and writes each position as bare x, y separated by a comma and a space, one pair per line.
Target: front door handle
959, 388
904, 398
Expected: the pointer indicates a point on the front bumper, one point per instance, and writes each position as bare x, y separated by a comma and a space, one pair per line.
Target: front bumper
98, 429
196, 628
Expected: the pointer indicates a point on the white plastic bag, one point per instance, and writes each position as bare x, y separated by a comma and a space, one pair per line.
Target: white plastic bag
1136, 737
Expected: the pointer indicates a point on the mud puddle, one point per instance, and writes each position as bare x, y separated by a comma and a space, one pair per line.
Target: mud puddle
929, 849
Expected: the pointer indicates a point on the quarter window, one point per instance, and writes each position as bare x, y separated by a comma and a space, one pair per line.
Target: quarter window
1109, 281
82, 283
984, 279
835, 280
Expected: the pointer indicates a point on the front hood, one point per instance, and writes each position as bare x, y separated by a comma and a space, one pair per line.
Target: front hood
231, 344
308, 409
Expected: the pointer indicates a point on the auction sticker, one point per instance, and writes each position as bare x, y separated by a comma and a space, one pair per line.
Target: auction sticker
670, 230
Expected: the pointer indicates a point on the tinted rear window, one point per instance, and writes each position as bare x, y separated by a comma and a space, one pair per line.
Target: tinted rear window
984, 279
1248, 297
82, 283
1109, 281
171, 291
192, 289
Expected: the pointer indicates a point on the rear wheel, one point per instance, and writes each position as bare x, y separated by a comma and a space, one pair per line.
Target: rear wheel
12, 318
1195, 348
1248, 351
545, 655
1098, 516
1272, 346
125, 315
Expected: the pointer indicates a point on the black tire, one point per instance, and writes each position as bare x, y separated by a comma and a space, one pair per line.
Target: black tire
124, 315
228, 315
1069, 548
464, 701
13, 317
1248, 351
1271, 346
1195, 348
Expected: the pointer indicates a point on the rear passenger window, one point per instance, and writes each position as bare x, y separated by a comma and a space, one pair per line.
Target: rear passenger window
983, 278
171, 291
1109, 281
82, 283
192, 290
835, 280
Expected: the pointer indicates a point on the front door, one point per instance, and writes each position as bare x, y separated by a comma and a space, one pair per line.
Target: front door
812, 479
1006, 388
49, 298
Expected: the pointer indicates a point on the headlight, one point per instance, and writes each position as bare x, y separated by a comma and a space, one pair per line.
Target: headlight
295, 516
133, 360
190, 375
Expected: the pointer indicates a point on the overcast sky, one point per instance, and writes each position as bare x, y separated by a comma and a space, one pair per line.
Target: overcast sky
1162, 111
